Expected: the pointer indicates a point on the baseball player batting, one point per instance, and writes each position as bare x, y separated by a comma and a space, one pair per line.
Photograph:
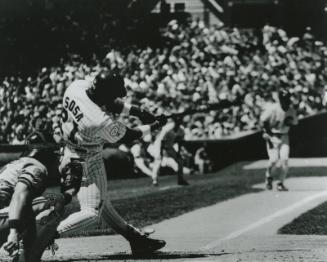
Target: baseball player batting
276, 120
90, 119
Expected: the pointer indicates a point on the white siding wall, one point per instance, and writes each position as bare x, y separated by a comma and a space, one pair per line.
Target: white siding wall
195, 7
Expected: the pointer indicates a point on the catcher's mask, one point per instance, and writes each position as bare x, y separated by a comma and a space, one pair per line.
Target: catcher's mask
41, 146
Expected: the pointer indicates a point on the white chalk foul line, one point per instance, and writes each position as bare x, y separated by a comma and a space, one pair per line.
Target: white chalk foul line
164, 188
264, 220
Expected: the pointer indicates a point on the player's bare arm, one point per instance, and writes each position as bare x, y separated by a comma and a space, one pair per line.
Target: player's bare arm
19, 205
140, 131
120, 107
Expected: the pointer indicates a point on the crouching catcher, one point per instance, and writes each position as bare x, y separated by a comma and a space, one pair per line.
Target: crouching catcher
26, 238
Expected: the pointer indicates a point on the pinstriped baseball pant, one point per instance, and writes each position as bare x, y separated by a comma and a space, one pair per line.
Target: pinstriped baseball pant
94, 200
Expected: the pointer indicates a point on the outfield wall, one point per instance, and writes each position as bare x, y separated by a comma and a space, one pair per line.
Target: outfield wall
308, 139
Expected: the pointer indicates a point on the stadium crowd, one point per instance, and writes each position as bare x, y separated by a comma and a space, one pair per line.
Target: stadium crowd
198, 65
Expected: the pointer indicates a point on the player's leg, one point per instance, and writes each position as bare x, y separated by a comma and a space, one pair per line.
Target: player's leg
201, 166
156, 152
179, 160
155, 170
142, 167
284, 156
272, 152
89, 214
93, 202
139, 241
89, 197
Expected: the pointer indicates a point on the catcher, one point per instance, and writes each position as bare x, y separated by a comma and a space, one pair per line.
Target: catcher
276, 120
36, 195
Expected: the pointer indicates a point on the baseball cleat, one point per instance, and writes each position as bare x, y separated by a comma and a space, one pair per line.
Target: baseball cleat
281, 187
148, 231
269, 183
144, 245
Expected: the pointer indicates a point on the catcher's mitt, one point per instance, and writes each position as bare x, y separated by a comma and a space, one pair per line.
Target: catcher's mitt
72, 176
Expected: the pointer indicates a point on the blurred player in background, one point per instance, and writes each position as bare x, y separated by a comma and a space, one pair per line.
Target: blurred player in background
171, 147
32, 186
91, 111
143, 160
276, 120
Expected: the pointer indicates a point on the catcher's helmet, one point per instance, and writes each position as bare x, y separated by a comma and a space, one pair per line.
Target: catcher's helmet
38, 137
108, 86
40, 145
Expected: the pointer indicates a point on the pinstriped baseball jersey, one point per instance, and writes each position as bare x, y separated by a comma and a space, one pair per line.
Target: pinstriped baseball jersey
86, 127
26, 170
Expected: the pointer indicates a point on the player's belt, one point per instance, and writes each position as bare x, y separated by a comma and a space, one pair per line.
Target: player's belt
85, 149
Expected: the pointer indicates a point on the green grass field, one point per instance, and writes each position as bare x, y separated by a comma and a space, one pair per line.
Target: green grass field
141, 204
313, 222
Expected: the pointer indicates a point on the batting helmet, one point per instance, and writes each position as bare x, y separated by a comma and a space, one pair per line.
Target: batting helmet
108, 86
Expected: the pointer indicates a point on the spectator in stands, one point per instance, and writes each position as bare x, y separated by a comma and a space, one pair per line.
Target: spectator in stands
19, 138
199, 65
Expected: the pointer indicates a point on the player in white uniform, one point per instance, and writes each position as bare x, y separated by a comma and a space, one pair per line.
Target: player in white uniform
276, 120
90, 110
141, 159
